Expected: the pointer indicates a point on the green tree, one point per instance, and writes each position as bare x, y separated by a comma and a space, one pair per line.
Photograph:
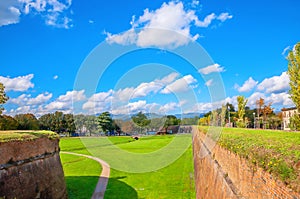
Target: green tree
3, 97
69, 124
141, 120
170, 120
8, 123
27, 122
294, 75
241, 111
45, 122
105, 122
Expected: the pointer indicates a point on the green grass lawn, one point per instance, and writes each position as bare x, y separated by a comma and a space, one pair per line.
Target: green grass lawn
174, 181
277, 152
81, 175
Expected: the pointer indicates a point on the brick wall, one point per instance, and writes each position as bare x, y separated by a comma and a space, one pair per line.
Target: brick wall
31, 169
220, 173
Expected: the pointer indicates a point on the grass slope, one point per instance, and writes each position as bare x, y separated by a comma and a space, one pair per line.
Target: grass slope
81, 175
8, 136
277, 152
174, 181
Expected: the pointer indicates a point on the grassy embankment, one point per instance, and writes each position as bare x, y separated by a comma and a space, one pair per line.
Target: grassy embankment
173, 181
277, 152
8, 136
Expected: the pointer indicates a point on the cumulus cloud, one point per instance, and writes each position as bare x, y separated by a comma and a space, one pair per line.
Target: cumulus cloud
64, 102
166, 27
224, 16
248, 85
74, 96
20, 83
28, 100
53, 11
181, 85
114, 99
208, 106
215, 68
55, 77
169, 107
275, 84
277, 99
9, 13
209, 82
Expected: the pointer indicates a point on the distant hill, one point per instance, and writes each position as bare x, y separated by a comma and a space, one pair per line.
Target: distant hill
126, 117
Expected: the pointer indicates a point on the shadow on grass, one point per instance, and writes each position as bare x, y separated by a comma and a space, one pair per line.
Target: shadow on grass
81, 187
117, 189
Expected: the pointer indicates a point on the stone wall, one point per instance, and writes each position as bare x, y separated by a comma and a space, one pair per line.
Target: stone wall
220, 173
31, 169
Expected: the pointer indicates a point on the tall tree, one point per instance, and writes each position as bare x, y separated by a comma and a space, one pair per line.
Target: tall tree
141, 120
105, 122
69, 124
3, 97
8, 123
259, 105
266, 111
241, 111
27, 121
294, 75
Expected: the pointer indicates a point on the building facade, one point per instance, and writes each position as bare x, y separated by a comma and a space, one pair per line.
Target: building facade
287, 113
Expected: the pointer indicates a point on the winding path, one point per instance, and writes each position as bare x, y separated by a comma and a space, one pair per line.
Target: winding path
103, 178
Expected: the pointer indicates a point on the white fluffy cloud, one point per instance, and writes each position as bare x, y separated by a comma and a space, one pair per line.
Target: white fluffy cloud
118, 101
248, 85
52, 10
72, 96
215, 68
9, 13
169, 107
277, 99
26, 99
166, 27
21, 83
181, 85
224, 16
275, 84
209, 82
64, 102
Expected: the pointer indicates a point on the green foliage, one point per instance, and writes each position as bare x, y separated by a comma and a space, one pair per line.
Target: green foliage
58, 122
190, 121
141, 120
295, 122
87, 123
241, 111
8, 123
3, 97
105, 122
171, 120
27, 121
294, 74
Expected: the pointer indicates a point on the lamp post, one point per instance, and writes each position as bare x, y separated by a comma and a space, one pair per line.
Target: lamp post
228, 108
254, 119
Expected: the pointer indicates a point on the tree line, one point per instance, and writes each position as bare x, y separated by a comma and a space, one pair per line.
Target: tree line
263, 116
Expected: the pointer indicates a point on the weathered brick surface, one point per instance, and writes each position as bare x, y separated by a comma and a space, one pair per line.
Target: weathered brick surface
223, 174
31, 169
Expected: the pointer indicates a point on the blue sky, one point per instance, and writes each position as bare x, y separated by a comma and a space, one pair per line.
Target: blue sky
58, 55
